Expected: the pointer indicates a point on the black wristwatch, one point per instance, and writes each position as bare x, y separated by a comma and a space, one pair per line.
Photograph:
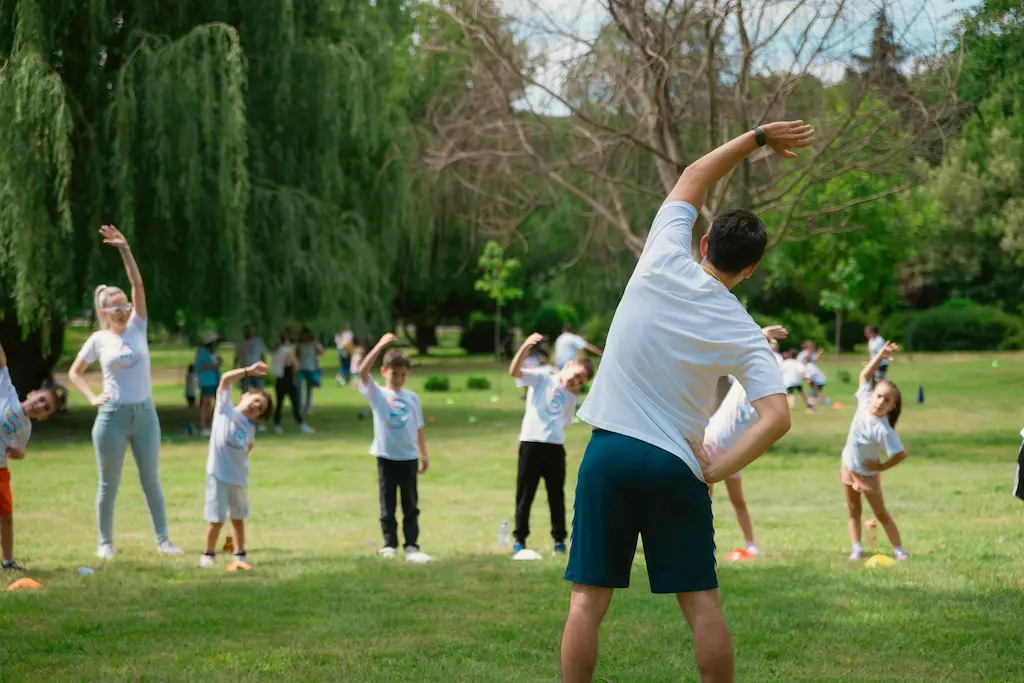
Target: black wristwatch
761, 139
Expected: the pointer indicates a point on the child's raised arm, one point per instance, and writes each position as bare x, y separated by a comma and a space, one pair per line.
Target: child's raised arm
871, 368
370, 359
515, 369
232, 376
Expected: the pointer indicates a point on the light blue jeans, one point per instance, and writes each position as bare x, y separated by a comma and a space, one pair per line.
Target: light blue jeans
117, 425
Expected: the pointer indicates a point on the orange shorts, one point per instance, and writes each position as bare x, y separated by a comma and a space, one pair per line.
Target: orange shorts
859, 482
6, 502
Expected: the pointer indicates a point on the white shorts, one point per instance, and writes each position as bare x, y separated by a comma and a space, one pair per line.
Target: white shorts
225, 501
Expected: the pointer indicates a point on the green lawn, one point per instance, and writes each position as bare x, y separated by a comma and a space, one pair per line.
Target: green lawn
320, 606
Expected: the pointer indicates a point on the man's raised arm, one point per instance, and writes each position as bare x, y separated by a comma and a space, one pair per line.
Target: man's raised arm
782, 136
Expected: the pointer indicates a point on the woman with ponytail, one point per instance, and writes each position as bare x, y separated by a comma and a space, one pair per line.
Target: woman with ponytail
126, 413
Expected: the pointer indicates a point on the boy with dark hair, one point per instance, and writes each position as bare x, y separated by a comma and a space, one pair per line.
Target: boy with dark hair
232, 438
550, 406
398, 443
15, 430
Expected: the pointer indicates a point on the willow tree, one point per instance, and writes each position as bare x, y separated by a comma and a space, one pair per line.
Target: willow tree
258, 155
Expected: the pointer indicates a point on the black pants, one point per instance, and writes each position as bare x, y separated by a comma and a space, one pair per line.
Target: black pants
394, 476
286, 388
1018, 482
540, 461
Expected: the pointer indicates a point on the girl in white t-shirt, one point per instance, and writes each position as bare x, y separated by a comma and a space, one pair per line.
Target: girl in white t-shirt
126, 413
872, 436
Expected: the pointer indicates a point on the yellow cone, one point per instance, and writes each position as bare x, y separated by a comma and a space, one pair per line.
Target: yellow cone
879, 561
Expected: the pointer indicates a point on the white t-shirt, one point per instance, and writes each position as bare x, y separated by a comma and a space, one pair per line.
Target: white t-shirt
804, 356
875, 346
675, 332
251, 351
277, 360
191, 382
15, 427
397, 420
124, 360
567, 345
731, 420
792, 372
814, 373
549, 407
230, 438
344, 339
869, 436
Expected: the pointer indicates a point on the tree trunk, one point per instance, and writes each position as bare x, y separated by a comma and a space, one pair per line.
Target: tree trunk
30, 361
426, 336
839, 334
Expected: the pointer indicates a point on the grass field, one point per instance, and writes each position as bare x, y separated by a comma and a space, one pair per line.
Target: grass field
320, 606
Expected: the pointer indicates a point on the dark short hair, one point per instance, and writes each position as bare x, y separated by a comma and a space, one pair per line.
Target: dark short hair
736, 241
873, 328
269, 409
588, 365
567, 326
396, 358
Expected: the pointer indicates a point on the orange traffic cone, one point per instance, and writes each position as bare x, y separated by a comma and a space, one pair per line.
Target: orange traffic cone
25, 584
739, 555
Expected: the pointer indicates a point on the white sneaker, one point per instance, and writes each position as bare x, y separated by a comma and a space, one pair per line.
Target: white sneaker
241, 558
856, 554
753, 549
105, 551
900, 555
168, 548
278, 429
306, 429
205, 432
387, 552
414, 555
207, 561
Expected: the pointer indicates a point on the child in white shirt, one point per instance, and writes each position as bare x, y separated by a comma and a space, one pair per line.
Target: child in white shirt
550, 406
15, 430
232, 438
398, 443
872, 435
793, 378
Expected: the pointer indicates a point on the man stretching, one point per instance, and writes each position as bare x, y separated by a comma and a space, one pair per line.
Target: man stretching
677, 330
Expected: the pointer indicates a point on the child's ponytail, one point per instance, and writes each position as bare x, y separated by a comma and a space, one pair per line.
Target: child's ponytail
97, 302
897, 408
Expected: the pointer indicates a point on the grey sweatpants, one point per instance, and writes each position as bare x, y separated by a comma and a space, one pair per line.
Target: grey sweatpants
117, 425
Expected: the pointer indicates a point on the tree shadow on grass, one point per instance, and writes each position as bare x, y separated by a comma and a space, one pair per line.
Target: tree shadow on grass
489, 619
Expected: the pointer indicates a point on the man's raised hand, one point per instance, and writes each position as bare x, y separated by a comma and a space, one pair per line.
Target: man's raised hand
784, 136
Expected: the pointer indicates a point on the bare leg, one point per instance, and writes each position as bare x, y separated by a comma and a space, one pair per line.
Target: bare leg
712, 644
7, 537
239, 526
587, 608
212, 532
735, 490
853, 510
884, 518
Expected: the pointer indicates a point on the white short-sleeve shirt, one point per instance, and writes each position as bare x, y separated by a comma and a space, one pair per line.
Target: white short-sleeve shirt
397, 420
251, 351
549, 407
869, 437
230, 438
675, 332
814, 373
792, 372
15, 426
124, 360
734, 417
875, 346
567, 345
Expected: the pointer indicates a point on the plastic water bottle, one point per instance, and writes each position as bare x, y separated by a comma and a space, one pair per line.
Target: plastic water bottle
504, 534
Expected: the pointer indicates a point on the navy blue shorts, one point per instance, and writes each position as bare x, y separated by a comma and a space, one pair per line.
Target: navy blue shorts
628, 488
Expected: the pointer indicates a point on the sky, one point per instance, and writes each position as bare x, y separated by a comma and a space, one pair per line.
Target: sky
921, 25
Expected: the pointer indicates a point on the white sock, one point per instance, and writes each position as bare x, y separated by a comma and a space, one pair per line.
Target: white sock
898, 550
858, 548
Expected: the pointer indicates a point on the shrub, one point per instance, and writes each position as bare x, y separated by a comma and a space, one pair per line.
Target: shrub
478, 384
595, 330
960, 327
437, 383
851, 332
479, 336
550, 320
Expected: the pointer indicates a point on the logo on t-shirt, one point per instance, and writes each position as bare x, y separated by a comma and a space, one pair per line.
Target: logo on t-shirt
555, 400
10, 423
238, 433
126, 358
398, 413
744, 413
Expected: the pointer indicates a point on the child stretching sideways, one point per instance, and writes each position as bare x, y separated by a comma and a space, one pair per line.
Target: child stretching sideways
550, 406
15, 430
227, 468
398, 443
872, 433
